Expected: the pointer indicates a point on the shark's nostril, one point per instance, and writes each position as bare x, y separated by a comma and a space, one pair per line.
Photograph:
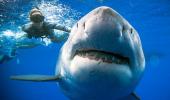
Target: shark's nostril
77, 25
84, 25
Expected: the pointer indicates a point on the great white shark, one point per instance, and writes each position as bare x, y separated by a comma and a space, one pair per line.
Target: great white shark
102, 59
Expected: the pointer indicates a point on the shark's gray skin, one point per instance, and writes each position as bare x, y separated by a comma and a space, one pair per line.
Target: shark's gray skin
101, 60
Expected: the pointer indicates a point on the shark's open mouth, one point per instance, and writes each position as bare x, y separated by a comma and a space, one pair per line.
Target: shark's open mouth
107, 57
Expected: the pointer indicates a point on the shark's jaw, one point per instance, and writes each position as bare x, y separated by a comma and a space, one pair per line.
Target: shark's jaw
103, 56
99, 72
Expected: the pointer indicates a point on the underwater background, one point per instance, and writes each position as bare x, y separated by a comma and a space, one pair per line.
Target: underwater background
151, 18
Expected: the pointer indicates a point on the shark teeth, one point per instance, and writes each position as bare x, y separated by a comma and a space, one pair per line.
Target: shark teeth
107, 57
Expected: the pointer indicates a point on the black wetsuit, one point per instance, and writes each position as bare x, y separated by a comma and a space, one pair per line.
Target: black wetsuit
46, 30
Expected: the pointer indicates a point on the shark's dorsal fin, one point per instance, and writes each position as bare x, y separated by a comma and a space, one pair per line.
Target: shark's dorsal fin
37, 78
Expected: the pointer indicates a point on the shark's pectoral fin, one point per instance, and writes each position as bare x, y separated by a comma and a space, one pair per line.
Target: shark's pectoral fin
37, 78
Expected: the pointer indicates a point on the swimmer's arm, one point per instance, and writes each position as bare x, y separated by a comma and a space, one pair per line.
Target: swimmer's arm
58, 37
26, 29
21, 43
59, 27
62, 28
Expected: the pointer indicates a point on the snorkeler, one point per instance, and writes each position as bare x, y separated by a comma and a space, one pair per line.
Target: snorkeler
38, 28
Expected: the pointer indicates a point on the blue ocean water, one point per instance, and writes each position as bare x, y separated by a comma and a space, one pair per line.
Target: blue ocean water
151, 18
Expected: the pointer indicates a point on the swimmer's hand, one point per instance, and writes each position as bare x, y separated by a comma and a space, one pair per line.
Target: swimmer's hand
67, 30
24, 36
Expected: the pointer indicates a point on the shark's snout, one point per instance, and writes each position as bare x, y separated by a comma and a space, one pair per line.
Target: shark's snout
101, 31
104, 24
103, 11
